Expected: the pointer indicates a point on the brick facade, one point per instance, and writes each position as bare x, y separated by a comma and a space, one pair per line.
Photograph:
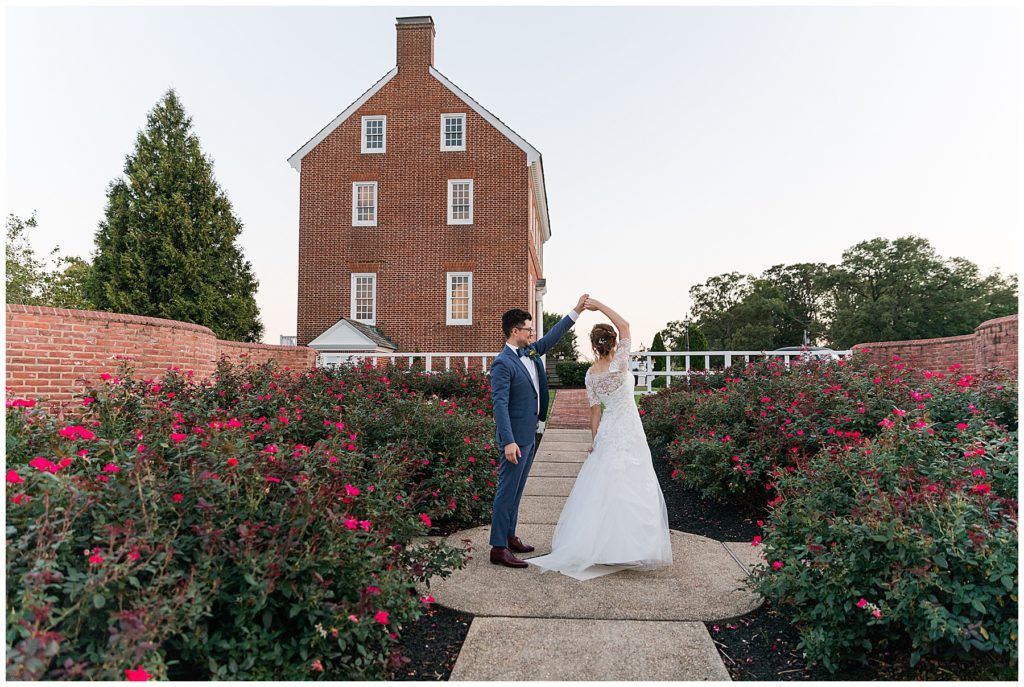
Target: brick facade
53, 353
992, 346
412, 247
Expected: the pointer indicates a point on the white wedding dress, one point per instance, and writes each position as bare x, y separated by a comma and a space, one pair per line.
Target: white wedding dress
615, 517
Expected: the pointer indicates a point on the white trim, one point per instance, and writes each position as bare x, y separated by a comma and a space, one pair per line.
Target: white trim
450, 115
355, 193
296, 159
531, 152
384, 134
448, 299
451, 190
352, 297
541, 199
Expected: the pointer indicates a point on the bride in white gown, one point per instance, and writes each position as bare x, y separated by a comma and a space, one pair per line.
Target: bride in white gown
615, 516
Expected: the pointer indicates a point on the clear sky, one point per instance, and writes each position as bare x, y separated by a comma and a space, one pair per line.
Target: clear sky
678, 142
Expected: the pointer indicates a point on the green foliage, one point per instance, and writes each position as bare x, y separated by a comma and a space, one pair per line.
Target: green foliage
566, 348
680, 336
902, 289
658, 346
885, 483
168, 244
572, 373
925, 535
255, 526
881, 291
30, 282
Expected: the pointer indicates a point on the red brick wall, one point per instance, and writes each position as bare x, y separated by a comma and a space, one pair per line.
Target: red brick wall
53, 353
993, 345
412, 247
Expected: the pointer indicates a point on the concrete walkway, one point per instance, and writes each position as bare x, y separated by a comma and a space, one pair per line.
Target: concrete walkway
630, 625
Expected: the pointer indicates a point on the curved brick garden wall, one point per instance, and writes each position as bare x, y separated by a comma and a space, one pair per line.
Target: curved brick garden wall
52, 353
992, 346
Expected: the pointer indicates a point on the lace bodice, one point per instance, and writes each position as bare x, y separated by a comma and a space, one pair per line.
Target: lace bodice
601, 385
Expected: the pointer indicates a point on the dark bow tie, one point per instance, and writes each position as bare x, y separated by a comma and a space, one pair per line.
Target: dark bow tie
522, 351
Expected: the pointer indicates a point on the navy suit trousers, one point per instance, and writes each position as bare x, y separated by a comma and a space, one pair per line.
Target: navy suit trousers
511, 482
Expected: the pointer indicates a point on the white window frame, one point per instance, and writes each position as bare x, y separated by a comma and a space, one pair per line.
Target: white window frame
352, 297
451, 201
448, 299
356, 222
462, 116
384, 127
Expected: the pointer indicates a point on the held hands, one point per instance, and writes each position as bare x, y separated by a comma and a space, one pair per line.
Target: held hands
512, 453
592, 304
581, 303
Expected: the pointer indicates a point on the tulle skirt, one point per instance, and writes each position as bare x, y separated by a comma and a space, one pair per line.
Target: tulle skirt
615, 517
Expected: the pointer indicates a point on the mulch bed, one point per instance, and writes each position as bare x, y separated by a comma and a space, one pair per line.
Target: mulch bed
758, 646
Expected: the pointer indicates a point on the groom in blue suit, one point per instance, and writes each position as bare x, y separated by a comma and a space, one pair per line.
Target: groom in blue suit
519, 390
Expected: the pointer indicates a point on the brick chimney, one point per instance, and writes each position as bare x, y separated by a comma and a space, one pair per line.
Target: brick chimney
415, 42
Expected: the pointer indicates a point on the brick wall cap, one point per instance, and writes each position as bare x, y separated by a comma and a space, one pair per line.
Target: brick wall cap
99, 315
996, 322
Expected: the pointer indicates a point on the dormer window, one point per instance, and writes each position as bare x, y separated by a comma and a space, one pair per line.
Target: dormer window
453, 131
375, 137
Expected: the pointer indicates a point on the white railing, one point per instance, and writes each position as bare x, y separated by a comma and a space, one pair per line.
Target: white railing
642, 363
425, 361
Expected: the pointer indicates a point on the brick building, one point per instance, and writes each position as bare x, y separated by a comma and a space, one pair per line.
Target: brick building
422, 216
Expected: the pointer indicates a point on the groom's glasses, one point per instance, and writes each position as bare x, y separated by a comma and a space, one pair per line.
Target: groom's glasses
526, 329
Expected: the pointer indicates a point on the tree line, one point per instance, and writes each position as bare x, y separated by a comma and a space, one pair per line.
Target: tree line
166, 247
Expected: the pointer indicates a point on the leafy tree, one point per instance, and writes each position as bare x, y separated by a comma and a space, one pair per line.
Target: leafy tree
565, 349
25, 272
712, 302
65, 286
804, 288
30, 282
167, 246
678, 337
902, 289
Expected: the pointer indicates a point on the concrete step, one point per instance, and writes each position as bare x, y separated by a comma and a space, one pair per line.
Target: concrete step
503, 648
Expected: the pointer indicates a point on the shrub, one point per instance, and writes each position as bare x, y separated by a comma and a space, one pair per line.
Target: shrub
905, 540
257, 525
572, 373
733, 429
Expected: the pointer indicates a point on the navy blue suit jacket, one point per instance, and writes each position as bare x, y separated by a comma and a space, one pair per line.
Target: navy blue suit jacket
513, 393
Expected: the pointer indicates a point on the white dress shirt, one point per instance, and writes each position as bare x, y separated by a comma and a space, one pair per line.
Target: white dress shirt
531, 367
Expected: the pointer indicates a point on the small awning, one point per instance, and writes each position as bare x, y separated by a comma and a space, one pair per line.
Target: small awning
347, 335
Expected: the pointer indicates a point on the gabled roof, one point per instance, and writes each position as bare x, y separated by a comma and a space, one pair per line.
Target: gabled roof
533, 157
348, 335
296, 159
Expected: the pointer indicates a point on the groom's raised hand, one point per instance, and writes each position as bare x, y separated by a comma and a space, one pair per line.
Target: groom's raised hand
581, 304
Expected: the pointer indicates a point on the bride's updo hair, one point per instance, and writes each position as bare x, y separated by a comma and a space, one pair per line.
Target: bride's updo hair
602, 338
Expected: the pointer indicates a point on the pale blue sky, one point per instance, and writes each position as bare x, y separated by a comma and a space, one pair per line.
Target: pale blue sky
678, 142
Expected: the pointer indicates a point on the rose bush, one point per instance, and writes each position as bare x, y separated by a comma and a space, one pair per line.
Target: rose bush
899, 542
257, 525
890, 497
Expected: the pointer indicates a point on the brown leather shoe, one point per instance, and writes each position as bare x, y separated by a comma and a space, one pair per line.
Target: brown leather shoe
518, 546
502, 556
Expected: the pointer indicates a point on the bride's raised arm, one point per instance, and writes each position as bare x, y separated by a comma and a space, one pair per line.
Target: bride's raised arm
618, 321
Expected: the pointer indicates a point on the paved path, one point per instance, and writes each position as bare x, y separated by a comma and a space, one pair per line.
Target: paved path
570, 411
630, 625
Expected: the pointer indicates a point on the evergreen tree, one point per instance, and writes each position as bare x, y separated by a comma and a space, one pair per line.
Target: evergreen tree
658, 346
166, 247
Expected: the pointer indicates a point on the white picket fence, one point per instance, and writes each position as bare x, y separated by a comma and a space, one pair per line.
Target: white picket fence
642, 363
